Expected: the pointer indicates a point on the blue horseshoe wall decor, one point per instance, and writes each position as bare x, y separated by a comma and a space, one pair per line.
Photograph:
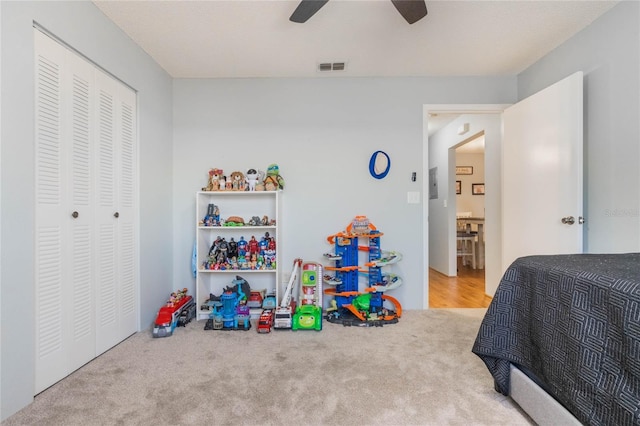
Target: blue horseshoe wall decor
379, 164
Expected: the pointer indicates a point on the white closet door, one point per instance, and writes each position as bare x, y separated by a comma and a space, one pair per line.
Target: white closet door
65, 337
86, 206
79, 137
51, 215
106, 212
127, 196
116, 172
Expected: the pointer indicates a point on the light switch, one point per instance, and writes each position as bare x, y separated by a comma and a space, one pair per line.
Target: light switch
413, 197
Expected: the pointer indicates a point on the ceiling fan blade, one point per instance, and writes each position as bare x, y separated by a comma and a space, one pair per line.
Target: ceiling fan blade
411, 10
306, 9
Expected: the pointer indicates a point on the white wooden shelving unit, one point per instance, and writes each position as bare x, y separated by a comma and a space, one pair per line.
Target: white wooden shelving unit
245, 204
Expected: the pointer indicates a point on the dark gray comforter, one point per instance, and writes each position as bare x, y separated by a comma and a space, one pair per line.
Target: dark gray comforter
572, 322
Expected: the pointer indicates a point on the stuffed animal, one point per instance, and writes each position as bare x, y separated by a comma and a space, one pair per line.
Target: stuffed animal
234, 221
273, 181
252, 179
237, 181
213, 183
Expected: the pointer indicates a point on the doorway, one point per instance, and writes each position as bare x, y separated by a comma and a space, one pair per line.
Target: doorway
466, 289
557, 111
461, 122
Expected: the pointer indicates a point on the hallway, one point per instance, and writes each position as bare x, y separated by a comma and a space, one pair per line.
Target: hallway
464, 291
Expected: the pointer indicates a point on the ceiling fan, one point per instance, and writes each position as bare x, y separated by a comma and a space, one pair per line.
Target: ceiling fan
411, 10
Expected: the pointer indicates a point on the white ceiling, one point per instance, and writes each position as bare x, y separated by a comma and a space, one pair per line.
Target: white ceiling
254, 38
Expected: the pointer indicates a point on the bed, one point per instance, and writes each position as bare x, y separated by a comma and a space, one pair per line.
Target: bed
569, 325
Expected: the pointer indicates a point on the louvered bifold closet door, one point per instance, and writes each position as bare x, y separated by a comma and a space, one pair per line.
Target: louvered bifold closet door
127, 208
85, 259
65, 331
116, 301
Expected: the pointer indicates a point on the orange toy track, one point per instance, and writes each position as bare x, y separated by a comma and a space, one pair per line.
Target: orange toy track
332, 292
355, 312
343, 269
350, 235
361, 317
393, 300
395, 303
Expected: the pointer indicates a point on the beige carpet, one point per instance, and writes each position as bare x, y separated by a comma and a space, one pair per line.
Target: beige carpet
419, 371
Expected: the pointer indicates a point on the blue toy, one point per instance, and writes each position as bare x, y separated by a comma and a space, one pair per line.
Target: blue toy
352, 306
230, 312
213, 216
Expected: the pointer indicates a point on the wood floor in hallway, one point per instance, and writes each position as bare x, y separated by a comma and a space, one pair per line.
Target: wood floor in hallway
464, 291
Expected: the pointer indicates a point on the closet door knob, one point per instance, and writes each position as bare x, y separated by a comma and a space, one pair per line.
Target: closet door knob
116, 215
74, 215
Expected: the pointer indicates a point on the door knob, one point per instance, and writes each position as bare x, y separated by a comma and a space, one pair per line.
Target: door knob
116, 215
568, 220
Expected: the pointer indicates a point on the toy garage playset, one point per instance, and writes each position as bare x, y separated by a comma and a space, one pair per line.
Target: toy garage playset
350, 306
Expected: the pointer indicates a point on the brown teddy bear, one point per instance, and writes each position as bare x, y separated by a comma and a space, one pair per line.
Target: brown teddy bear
237, 181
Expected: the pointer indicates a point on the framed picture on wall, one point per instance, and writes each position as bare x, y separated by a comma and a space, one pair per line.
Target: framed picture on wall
464, 170
477, 188
458, 187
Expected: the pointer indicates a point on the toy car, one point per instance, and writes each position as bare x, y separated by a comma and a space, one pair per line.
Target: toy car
269, 302
265, 321
307, 317
255, 299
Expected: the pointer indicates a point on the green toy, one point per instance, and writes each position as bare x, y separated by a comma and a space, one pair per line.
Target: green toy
307, 317
273, 181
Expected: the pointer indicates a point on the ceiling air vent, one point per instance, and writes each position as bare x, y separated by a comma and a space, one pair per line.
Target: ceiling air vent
331, 66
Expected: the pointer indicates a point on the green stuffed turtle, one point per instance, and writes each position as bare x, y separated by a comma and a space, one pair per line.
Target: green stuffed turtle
274, 181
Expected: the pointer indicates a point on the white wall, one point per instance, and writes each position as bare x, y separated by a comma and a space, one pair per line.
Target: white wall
83, 26
322, 133
608, 51
466, 201
442, 226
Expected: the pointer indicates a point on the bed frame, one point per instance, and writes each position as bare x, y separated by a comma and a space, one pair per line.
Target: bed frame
538, 404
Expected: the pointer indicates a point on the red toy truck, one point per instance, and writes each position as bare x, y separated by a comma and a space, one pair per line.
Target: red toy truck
265, 322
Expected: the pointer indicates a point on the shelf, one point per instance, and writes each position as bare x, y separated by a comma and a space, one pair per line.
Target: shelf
245, 205
236, 271
237, 228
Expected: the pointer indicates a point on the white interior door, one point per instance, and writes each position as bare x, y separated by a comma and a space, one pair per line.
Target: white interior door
79, 209
116, 171
65, 337
52, 218
542, 172
106, 211
127, 196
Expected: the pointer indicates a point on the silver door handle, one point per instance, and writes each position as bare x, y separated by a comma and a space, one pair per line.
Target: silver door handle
568, 220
